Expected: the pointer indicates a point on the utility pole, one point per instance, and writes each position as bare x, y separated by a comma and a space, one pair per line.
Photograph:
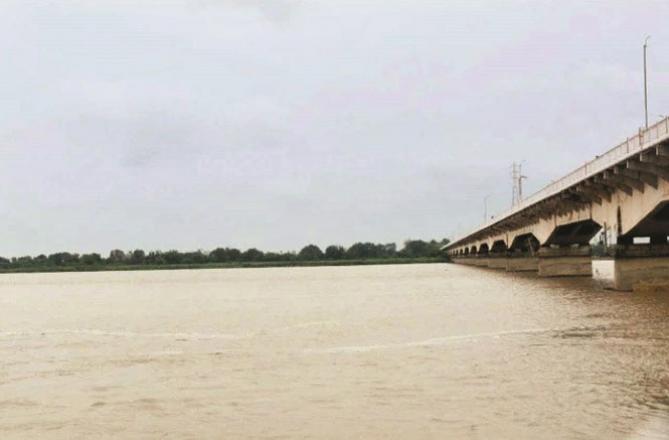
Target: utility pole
517, 178
514, 179
645, 81
520, 182
485, 208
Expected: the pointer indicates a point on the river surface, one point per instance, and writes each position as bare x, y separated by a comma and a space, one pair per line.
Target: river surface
376, 352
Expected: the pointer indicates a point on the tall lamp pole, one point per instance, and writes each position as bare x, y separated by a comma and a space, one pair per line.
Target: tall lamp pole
645, 81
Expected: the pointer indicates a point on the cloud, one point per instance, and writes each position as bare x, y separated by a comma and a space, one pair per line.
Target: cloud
276, 11
273, 123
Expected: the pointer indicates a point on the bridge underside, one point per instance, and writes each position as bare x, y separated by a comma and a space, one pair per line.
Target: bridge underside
622, 211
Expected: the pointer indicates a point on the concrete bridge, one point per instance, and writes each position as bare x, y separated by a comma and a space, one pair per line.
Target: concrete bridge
621, 199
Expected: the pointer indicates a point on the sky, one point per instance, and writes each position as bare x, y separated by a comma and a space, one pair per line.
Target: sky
277, 123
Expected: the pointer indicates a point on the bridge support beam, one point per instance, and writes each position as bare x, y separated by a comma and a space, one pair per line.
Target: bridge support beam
564, 261
641, 266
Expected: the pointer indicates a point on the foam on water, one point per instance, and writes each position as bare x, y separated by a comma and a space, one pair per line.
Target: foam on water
427, 342
121, 334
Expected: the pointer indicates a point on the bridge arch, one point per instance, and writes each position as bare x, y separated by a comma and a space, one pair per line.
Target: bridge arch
525, 243
579, 233
654, 225
498, 247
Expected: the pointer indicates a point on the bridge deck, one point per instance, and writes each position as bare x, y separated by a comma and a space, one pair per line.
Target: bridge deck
646, 138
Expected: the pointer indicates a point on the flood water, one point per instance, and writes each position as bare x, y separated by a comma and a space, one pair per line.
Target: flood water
376, 352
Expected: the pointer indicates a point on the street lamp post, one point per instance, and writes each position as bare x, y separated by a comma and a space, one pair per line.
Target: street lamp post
645, 81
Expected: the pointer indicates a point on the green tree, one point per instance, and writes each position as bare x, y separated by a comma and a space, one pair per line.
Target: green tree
252, 254
364, 250
63, 258
234, 254
155, 257
91, 259
334, 252
24, 261
310, 252
218, 255
197, 257
116, 256
137, 256
415, 248
222, 255
172, 257
279, 256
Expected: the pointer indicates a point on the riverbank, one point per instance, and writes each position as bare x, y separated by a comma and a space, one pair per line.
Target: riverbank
230, 265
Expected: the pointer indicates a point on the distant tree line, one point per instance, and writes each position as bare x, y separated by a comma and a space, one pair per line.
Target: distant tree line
309, 253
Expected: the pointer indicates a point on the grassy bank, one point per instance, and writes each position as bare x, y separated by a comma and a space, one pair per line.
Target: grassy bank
231, 265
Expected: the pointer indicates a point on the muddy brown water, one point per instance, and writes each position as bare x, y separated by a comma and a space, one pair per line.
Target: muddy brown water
375, 352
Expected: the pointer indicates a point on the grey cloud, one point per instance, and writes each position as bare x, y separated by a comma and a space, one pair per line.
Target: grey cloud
278, 11
276, 123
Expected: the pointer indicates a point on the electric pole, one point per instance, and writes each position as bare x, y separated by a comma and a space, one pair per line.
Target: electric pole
517, 178
520, 182
514, 179
485, 208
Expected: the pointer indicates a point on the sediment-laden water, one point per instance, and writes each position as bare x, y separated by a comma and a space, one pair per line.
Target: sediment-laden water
408, 352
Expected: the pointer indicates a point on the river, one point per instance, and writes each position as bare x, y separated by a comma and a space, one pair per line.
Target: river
373, 352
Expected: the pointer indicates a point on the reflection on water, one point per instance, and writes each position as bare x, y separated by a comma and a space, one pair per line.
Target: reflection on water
602, 272
421, 351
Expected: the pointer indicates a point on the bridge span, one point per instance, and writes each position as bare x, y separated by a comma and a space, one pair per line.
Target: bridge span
620, 197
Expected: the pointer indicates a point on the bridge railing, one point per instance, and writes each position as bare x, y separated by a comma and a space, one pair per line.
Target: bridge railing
642, 140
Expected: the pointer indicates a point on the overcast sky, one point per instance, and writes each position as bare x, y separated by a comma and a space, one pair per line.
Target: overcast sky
276, 123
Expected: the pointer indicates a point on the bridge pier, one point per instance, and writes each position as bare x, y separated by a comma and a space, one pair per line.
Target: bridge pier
466, 260
470, 260
522, 263
641, 265
481, 261
564, 261
497, 261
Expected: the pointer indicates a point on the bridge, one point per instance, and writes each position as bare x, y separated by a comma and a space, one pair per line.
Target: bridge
620, 198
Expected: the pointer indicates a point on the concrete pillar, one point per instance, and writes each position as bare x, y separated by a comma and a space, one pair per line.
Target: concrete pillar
564, 261
524, 263
470, 261
497, 261
481, 261
458, 260
467, 261
639, 267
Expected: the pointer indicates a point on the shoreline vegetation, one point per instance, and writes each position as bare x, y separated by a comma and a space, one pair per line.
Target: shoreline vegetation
413, 252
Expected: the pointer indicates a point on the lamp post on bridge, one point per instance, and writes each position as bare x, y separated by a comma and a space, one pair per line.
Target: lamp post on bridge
645, 81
